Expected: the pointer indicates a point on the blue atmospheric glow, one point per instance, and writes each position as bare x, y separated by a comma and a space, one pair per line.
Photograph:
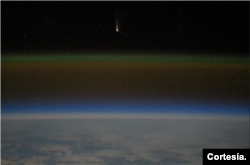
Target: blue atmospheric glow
122, 106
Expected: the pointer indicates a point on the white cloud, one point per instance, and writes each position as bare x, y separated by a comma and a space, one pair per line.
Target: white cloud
94, 141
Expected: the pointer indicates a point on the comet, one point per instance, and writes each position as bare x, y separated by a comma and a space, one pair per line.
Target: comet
117, 23
116, 27
117, 12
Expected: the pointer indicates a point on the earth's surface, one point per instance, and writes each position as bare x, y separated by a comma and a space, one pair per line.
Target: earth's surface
116, 140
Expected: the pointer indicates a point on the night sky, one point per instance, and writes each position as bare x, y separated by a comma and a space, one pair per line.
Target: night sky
143, 26
178, 56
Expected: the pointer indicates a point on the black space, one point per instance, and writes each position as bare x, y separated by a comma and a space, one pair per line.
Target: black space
144, 26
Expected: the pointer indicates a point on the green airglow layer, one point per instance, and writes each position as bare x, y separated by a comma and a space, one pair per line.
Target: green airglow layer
125, 58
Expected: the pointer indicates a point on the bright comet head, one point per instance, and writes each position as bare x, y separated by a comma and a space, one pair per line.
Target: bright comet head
116, 24
116, 28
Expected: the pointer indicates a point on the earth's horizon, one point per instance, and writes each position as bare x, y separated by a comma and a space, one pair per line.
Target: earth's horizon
113, 138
